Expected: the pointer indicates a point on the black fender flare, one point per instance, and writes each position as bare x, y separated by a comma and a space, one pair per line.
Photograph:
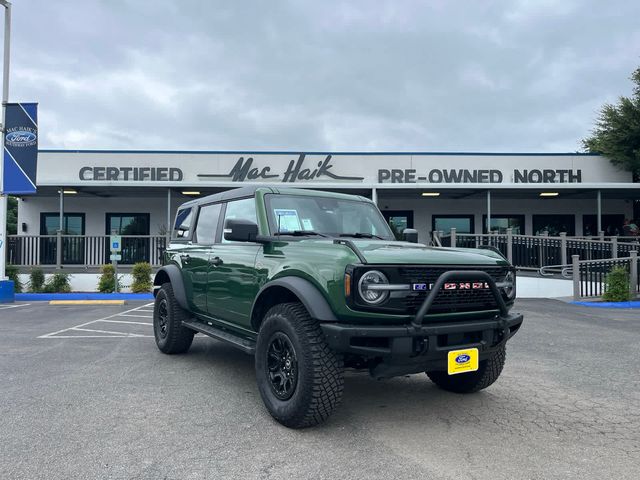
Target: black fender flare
307, 292
177, 283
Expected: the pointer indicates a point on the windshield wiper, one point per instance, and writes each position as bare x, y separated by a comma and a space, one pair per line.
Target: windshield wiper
361, 235
302, 233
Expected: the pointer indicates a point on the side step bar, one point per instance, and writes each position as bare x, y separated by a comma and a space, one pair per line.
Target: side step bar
246, 345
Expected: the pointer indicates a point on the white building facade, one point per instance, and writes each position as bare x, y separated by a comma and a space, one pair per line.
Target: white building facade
138, 192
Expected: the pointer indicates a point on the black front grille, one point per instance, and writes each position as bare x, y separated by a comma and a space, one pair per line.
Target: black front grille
449, 300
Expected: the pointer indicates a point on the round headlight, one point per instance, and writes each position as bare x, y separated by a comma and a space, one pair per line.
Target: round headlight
510, 284
367, 287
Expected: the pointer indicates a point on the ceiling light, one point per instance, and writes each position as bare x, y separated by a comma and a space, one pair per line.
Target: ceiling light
69, 192
190, 193
549, 194
430, 194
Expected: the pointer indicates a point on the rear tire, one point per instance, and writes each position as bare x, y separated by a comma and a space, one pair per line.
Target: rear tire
488, 372
299, 377
168, 315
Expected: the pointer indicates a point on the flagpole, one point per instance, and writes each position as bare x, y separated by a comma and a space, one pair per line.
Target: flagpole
5, 99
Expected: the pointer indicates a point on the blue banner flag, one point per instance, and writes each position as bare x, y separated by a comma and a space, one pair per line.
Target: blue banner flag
20, 148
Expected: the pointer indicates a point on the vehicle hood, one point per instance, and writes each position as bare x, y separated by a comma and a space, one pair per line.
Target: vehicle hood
393, 252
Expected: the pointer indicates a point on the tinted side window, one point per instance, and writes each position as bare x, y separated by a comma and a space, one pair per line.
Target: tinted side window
182, 225
244, 209
207, 224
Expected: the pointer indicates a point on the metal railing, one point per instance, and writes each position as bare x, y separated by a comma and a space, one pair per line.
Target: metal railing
82, 250
536, 251
589, 276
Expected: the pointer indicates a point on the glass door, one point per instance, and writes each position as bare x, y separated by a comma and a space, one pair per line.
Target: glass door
134, 227
398, 220
72, 248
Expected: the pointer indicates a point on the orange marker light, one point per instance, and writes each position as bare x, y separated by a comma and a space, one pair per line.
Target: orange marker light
347, 285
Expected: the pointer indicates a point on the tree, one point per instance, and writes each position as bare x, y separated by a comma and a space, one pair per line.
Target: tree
617, 131
12, 216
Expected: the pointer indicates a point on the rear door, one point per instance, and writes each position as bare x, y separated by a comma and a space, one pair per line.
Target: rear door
233, 281
195, 259
191, 256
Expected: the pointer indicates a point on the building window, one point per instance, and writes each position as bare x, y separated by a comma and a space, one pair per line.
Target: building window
398, 220
134, 228
207, 225
72, 248
462, 223
500, 223
554, 224
611, 225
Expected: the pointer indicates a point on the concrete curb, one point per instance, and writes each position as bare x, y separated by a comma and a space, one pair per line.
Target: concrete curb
632, 304
47, 297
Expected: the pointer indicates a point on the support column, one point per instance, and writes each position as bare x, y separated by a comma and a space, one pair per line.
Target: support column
488, 211
60, 231
633, 274
599, 214
575, 270
169, 210
5, 98
374, 195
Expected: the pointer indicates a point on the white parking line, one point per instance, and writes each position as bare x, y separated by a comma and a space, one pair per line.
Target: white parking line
106, 333
5, 307
126, 321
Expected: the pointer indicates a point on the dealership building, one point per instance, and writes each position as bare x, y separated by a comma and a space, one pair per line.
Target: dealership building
101, 192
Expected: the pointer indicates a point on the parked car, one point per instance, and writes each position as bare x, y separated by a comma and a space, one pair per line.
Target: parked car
312, 282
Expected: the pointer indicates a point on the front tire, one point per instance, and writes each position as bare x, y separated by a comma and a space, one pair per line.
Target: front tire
299, 377
168, 315
488, 372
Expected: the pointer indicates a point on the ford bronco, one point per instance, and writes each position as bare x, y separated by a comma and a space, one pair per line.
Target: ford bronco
311, 283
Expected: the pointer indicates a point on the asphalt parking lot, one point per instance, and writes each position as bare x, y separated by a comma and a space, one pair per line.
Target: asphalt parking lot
84, 393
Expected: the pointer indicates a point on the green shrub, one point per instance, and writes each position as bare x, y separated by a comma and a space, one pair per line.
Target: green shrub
617, 285
12, 273
58, 283
36, 280
107, 282
141, 278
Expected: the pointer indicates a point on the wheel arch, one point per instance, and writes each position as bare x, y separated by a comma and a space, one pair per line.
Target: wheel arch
171, 274
291, 289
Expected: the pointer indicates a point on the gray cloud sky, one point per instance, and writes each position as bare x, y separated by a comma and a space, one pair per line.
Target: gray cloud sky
302, 75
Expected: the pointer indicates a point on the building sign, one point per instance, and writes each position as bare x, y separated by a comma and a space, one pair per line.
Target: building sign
244, 170
131, 174
534, 175
20, 148
321, 170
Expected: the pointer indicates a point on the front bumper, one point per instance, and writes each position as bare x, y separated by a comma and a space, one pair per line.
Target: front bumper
424, 342
420, 346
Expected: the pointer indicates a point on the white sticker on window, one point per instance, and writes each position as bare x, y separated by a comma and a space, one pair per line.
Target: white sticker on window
306, 224
287, 220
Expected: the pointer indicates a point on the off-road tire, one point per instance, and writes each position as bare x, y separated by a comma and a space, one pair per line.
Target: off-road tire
488, 372
171, 336
319, 370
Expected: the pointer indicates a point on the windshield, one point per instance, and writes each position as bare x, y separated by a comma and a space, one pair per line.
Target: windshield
336, 217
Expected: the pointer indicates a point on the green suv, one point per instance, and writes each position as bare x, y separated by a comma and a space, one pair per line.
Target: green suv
311, 283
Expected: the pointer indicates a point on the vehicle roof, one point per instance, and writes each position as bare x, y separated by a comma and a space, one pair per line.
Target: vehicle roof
244, 192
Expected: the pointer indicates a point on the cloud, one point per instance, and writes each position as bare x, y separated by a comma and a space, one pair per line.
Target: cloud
479, 76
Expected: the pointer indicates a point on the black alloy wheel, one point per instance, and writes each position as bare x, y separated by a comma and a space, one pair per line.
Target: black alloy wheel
282, 366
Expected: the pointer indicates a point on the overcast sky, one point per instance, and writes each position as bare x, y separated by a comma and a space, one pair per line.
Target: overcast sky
394, 75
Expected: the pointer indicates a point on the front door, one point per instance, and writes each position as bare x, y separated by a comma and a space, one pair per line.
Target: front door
72, 246
233, 282
134, 227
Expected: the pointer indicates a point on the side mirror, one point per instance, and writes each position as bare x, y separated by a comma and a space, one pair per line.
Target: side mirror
410, 235
240, 230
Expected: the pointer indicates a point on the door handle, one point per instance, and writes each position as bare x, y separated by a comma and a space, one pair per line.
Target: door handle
185, 258
215, 261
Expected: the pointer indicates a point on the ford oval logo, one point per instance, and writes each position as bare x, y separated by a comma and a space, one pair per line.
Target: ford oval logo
463, 358
21, 136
